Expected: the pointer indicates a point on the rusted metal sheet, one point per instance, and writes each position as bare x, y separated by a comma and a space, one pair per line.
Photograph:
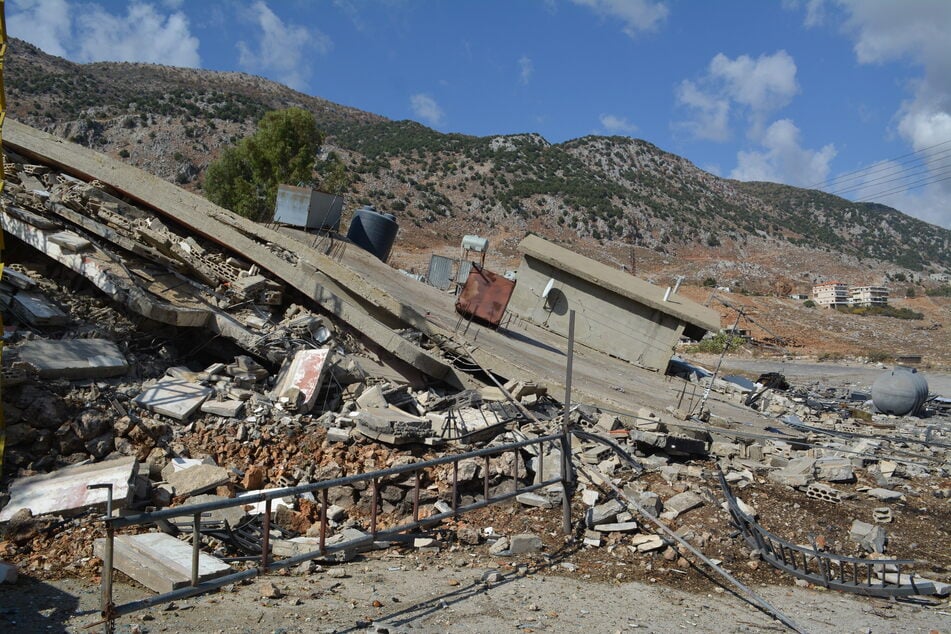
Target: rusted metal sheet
485, 296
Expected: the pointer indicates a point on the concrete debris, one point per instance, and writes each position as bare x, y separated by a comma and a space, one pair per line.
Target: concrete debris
175, 398
870, 537
67, 490
73, 358
197, 479
159, 561
352, 380
299, 381
680, 504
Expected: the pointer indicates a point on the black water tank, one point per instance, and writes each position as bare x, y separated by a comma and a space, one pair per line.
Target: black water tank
373, 231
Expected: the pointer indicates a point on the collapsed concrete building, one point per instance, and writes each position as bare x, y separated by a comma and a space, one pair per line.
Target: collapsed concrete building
618, 314
371, 370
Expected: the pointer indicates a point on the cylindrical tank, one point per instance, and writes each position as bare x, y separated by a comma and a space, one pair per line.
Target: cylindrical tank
900, 391
373, 231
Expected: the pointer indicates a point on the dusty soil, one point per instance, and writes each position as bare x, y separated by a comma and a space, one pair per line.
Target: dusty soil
406, 592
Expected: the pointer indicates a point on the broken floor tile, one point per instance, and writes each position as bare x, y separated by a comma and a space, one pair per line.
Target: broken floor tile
174, 398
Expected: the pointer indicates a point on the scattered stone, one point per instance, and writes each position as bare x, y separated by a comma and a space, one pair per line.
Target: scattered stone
798, 472
525, 543
645, 543
885, 495
868, 536
269, 591
882, 515
533, 499
681, 503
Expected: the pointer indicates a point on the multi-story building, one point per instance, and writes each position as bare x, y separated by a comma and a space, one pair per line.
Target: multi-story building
831, 294
869, 296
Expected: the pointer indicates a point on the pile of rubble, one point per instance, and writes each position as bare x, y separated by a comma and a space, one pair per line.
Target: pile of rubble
203, 379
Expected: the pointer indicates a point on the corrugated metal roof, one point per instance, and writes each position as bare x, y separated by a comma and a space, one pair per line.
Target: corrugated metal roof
620, 282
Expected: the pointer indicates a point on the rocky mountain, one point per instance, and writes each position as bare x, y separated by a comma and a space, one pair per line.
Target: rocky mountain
605, 195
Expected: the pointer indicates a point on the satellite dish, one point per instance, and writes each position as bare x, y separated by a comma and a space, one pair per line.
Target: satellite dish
548, 287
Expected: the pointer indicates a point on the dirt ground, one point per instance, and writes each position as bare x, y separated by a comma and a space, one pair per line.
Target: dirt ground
397, 592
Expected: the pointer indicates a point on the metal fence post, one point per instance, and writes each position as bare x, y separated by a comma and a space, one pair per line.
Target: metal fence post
567, 479
105, 599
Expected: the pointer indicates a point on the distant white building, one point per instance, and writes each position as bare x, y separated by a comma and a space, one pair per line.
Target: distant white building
831, 294
868, 296
939, 277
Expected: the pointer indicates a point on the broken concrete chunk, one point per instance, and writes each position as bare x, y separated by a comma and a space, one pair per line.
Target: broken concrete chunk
35, 309
647, 543
197, 479
69, 241
392, 426
74, 358
229, 409
174, 398
798, 472
533, 499
681, 503
299, 381
65, 491
885, 495
603, 513
372, 398
159, 561
616, 527
525, 543
834, 469
868, 536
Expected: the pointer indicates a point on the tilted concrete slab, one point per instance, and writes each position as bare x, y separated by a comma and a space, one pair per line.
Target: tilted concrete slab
159, 561
65, 490
301, 379
196, 479
251, 240
174, 397
74, 358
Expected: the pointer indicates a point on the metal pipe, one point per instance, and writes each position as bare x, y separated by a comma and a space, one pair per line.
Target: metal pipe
266, 537
374, 496
105, 598
196, 546
567, 481
323, 521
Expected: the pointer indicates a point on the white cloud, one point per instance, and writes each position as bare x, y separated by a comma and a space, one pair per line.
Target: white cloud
884, 32
282, 50
756, 87
636, 15
783, 159
815, 11
763, 84
525, 69
711, 114
614, 124
145, 33
426, 108
44, 23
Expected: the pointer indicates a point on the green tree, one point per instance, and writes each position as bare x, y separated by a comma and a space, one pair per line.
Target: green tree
282, 150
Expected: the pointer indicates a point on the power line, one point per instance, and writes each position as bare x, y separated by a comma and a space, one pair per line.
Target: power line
902, 189
898, 175
829, 182
888, 171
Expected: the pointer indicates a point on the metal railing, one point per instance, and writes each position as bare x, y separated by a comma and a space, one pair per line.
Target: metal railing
872, 577
110, 611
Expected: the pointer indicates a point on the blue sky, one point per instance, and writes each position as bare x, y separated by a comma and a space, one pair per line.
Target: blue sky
850, 96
